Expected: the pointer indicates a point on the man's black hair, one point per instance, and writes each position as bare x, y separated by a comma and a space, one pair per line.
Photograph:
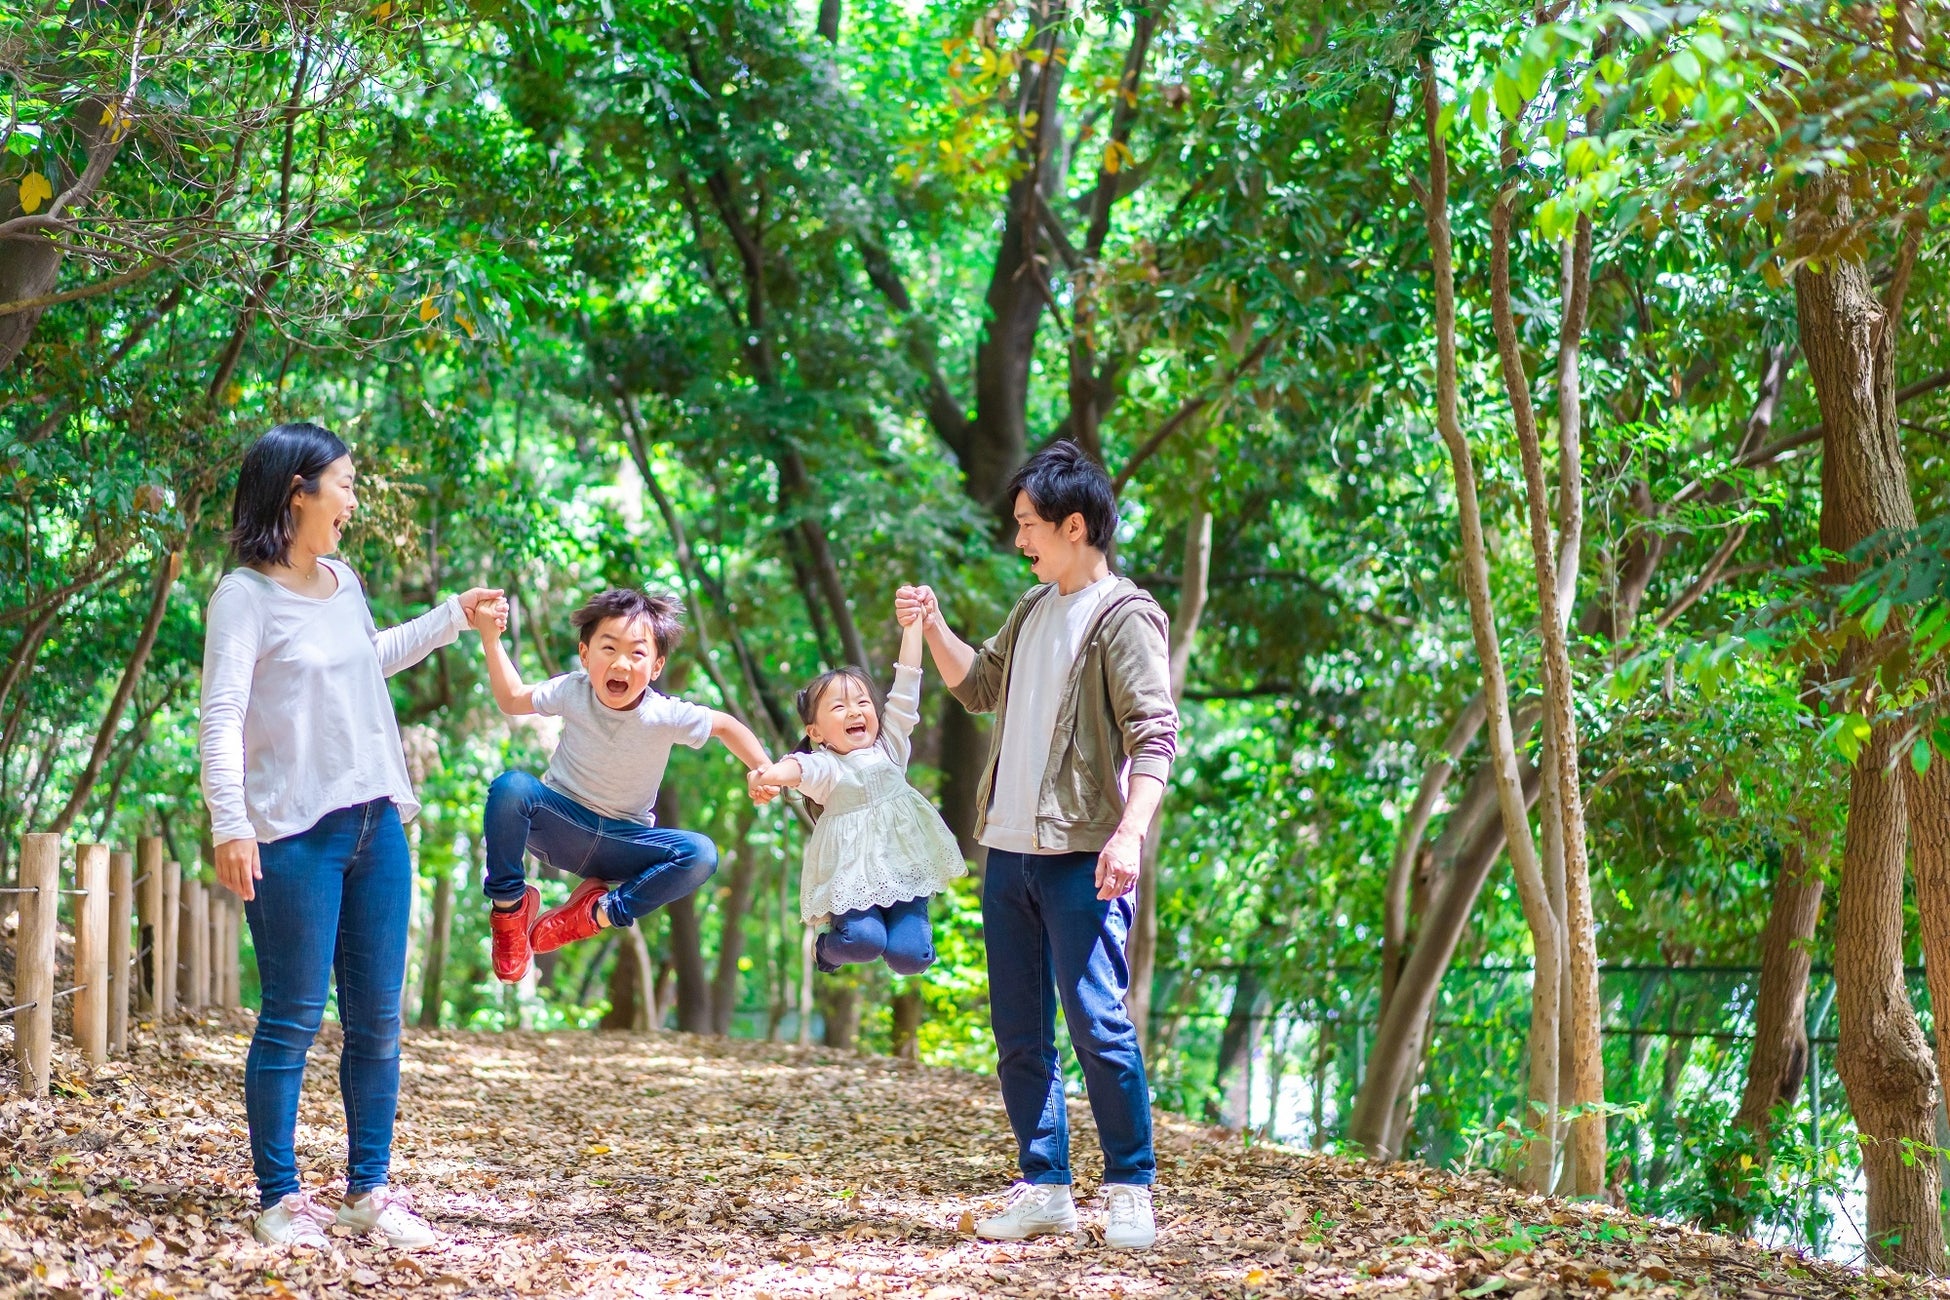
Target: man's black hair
629, 604
284, 462
1061, 481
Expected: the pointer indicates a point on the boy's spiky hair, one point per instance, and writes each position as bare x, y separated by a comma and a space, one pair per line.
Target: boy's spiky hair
629, 604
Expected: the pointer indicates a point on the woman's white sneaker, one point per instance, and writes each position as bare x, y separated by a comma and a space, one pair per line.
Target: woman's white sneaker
1034, 1210
390, 1214
293, 1223
1128, 1221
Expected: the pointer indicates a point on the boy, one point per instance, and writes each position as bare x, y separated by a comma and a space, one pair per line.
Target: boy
591, 813
1085, 731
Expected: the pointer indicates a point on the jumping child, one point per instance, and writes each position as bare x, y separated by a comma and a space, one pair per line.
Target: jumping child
591, 813
879, 849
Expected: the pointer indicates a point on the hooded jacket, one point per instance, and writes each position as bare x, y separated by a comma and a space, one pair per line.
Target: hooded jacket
1115, 720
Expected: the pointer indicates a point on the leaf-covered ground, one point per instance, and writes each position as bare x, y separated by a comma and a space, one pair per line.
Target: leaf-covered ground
660, 1165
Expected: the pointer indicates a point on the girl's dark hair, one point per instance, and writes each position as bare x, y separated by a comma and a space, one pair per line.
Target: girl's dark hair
260, 514
807, 702
1061, 481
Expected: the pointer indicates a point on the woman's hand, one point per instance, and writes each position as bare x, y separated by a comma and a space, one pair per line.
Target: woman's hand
237, 867
471, 599
490, 616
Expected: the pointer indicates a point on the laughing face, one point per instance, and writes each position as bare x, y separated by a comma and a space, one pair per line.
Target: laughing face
318, 519
844, 718
622, 659
1053, 550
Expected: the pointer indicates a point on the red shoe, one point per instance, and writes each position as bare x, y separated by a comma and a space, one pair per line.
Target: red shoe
510, 936
575, 919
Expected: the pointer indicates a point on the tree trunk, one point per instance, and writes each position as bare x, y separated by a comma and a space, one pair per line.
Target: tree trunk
1192, 588
686, 941
1408, 844
839, 999
964, 754
908, 1010
172, 564
731, 930
627, 992
440, 930
1376, 1102
1780, 1056
1235, 1041
1849, 339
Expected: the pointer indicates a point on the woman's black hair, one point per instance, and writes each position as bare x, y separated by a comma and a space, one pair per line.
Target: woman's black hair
1061, 481
260, 514
807, 702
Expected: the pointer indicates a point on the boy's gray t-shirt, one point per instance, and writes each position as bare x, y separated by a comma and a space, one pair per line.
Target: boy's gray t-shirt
611, 761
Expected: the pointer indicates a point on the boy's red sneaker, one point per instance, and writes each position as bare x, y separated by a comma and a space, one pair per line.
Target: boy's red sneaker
510, 936
575, 919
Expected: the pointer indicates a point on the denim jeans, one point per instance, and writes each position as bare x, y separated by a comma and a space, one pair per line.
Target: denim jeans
650, 866
1051, 938
899, 932
334, 899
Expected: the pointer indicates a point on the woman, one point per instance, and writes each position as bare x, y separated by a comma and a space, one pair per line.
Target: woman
306, 784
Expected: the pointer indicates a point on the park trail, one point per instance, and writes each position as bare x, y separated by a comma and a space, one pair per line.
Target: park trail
576, 1164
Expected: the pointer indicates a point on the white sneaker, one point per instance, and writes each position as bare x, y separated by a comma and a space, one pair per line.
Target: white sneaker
293, 1222
389, 1213
1128, 1221
1034, 1210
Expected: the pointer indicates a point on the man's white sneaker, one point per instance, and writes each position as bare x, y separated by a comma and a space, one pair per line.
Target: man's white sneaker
1128, 1221
390, 1214
1034, 1210
293, 1222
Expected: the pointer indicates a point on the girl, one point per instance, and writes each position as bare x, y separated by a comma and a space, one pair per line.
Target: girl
879, 848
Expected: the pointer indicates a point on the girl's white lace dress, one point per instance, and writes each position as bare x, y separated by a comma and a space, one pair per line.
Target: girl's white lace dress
879, 840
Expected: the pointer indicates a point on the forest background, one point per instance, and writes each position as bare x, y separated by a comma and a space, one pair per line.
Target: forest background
1507, 401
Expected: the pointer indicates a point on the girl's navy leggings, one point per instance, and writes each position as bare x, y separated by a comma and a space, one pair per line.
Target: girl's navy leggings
899, 932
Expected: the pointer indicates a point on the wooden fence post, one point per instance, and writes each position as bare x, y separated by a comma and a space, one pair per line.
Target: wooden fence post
148, 911
236, 951
91, 952
221, 944
40, 871
196, 902
168, 931
121, 968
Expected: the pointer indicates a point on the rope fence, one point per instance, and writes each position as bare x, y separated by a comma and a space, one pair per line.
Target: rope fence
153, 943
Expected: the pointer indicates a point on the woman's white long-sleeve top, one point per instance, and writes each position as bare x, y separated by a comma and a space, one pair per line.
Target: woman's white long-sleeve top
296, 718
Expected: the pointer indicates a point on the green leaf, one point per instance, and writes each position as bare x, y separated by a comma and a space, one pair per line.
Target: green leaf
1919, 756
1686, 67
1509, 100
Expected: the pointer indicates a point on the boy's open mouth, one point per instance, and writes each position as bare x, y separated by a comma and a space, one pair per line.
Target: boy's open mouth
617, 688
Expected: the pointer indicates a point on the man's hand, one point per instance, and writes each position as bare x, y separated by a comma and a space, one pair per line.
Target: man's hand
911, 603
1117, 866
237, 867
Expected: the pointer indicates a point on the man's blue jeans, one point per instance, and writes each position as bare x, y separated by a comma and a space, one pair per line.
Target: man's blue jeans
1050, 937
649, 865
333, 898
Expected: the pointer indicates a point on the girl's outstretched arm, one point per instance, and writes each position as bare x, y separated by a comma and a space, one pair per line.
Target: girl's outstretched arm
784, 774
913, 637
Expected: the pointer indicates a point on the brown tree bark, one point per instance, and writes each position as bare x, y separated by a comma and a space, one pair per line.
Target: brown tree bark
1408, 843
732, 907
1192, 590
908, 1009
171, 565
686, 940
1376, 1104
1849, 338
1564, 808
440, 931
1780, 1057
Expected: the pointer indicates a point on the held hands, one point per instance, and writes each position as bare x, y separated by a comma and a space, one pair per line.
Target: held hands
237, 867
916, 604
760, 788
488, 615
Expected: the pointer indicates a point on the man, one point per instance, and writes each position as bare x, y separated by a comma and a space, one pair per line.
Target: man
1085, 732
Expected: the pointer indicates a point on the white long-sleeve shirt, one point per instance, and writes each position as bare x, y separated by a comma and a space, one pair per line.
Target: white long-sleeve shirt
296, 719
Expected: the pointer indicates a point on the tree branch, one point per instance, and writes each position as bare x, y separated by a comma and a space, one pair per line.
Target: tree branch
1191, 407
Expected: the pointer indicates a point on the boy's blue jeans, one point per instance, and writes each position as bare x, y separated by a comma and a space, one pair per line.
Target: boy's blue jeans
650, 865
1051, 938
899, 932
333, 898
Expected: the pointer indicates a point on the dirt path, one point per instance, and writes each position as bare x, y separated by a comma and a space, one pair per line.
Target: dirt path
658, 1165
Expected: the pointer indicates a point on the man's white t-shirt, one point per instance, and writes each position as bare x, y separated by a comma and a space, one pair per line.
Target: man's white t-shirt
611, 761
1045, 651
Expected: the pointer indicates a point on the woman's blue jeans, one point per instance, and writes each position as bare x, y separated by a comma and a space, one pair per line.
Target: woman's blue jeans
334, 898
